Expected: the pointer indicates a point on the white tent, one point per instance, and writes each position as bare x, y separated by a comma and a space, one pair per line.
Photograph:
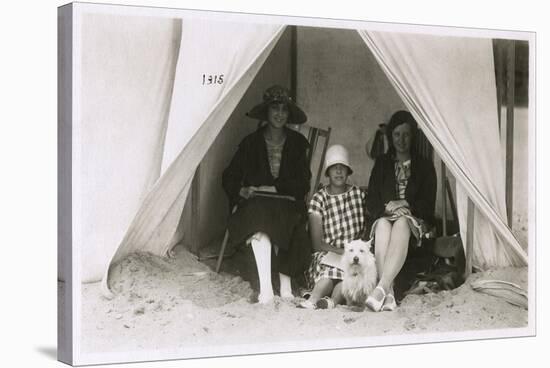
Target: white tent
136, 172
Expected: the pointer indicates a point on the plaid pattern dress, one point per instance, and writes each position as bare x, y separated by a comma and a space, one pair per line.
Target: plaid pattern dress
343, 220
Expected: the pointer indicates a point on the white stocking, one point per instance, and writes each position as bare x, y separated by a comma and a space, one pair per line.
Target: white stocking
261, 246
286, 288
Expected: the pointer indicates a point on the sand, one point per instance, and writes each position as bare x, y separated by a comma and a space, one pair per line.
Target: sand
164, 303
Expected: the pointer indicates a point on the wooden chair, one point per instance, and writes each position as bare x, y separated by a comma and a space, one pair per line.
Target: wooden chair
318, 139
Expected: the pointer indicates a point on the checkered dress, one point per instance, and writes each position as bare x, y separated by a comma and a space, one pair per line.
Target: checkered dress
343, 220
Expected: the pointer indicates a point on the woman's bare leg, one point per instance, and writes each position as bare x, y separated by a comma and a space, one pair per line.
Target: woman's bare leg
337, 296
382, 235
396, 253
321, 289
261, 246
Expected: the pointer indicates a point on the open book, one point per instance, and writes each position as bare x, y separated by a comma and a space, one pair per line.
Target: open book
273, 195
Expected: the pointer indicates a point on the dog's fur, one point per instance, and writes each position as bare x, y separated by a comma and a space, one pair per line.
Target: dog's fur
360, 275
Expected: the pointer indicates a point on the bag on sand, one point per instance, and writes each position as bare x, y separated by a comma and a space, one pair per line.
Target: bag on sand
447, 270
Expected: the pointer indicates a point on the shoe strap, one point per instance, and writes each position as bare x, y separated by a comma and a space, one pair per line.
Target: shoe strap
330, 302
382, 290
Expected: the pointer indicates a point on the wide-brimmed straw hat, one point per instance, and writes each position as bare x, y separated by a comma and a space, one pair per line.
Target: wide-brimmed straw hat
278, 94
337, 154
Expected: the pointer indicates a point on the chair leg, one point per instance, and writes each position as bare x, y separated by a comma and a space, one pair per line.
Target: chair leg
222, 251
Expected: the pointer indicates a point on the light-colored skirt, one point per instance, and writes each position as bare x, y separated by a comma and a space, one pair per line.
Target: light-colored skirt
417, 226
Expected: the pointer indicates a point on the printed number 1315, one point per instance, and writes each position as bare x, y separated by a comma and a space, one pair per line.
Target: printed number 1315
212, 79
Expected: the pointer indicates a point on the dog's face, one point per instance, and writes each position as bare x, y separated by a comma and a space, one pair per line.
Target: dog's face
357, 255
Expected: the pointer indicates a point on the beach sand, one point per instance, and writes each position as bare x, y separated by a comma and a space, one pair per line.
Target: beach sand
179, 302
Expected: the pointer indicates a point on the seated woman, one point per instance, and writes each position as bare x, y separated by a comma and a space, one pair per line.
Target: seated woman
401, 196
336, 217
268, 179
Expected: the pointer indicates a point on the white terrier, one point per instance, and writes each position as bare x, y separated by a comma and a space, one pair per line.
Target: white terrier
360, 275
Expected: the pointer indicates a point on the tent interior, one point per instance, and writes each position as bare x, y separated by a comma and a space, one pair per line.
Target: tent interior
342, 87
334, 76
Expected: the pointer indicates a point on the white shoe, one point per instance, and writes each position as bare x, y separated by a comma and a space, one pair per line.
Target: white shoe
265, 298
389, 303
306, 304
376, 304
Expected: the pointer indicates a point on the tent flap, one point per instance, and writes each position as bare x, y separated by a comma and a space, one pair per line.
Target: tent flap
197, 114
448, 84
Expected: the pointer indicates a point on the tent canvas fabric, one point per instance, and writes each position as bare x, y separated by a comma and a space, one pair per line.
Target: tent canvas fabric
458, 115
462, 130
155, 224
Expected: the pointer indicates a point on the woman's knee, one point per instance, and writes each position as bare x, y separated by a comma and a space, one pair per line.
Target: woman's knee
402, 225
401, 230
261, 237
324, 283
383, 225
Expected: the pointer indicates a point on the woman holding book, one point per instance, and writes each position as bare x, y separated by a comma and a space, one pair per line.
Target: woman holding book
268, 179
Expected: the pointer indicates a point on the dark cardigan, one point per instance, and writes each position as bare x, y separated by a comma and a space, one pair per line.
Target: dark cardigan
250, 166
420, 192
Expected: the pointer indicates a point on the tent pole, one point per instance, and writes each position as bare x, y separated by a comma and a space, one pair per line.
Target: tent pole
510, 102
195, 211
451, 199
293, 62
469, 238
499, 67
444, 198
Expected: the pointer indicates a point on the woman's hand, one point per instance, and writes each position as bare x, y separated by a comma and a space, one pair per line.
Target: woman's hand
402, 211
316, 233
247, 192
393, 206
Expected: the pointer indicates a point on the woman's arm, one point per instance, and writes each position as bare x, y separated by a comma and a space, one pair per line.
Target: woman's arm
316, 233
296, 181
375, 205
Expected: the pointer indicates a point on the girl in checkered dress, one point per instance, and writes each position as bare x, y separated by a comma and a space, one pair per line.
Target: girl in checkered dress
336, 216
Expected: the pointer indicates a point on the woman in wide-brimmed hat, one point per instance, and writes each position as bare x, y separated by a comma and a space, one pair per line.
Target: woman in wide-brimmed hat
268, 179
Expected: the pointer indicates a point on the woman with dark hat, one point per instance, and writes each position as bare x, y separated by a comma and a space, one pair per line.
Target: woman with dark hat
401, 196
268, 179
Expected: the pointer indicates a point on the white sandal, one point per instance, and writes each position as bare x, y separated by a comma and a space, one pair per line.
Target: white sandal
325, 303
306, 304
374, 304
389, 303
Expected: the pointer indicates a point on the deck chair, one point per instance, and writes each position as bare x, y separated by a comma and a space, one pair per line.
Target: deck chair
318, 139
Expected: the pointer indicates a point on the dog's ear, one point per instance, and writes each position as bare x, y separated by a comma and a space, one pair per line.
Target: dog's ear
364, 236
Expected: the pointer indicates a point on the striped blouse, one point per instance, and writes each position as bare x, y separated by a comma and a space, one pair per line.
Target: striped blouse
402, 175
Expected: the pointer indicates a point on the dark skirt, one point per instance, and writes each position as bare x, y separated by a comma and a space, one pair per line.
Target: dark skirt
284, 221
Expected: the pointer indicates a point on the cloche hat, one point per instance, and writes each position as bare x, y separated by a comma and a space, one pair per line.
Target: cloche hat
337, 154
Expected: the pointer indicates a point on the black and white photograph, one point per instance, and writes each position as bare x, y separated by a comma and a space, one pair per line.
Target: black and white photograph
237, 184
